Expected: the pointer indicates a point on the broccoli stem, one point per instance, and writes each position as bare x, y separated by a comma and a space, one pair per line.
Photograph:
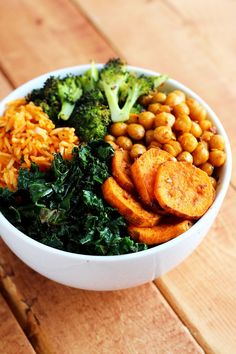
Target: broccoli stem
66, 110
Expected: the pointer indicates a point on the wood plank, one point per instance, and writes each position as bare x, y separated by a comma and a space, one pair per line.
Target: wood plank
56, 35
5, 86
12, 338
59, 319
181, 39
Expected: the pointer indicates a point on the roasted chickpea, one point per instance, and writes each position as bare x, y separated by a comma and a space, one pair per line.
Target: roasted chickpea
154, 107
137, 150
164, 118
146, 119
207, 167
200, 154
118, 129
149, 136
205, 124
133, 118
180, 93
181, 109
217, 142
173, 99
213, 181
188, 142
124, 142
206, 136
183, 124
164, 108
145, 100
158, 97
136, 131
163, 134
172, 147
109, 137
185, 156
196, 130
217, 158
197, 111
155, 144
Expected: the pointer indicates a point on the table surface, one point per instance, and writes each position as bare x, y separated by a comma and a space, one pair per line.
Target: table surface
192, 309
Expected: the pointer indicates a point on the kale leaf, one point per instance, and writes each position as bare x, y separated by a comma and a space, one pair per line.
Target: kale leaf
64, 208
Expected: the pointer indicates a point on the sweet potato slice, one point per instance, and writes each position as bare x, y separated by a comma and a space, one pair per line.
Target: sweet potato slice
127, 205
121, 164
158, 234
183, 189
143, 172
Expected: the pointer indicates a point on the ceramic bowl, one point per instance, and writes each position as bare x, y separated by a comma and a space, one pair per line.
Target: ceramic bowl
114, 272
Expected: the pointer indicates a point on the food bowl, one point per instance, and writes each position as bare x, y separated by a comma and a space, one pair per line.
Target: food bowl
123, 271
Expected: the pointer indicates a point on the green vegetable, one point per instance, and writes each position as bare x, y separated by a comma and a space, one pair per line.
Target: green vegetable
64, 208
122, 87
91, 116
58, 96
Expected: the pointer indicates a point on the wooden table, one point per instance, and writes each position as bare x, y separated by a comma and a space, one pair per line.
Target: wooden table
191, 309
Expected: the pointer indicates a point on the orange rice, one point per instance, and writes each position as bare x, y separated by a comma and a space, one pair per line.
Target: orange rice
28, 135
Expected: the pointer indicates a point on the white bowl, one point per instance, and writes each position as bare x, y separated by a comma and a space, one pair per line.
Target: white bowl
113, 272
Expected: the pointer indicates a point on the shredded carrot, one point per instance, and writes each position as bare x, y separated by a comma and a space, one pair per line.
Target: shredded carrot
28, 135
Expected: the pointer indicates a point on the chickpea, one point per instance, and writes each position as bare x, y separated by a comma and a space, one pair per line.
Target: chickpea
154, 107
124, 142
180, 93
205, 124
145, 100
200, 154
109, 137
197, 111
206, 136
133, 118
217, 158
207, 167
188, 142
149, 136
158, 97
164, 118
196, 130
118, 129
183, 124
185, 156
137, 150
154, 144
164, 108
172, 147
213, 181
181, 109
173, 99
217, 142
163, 134
146, 119
136, 131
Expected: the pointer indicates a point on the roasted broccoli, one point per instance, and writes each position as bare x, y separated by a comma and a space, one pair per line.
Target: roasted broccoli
90, 78
122, 89
58, 96
90, 117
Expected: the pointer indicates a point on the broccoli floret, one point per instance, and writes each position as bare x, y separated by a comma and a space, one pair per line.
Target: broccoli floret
90, 78
58, 96
124, 88
90, 117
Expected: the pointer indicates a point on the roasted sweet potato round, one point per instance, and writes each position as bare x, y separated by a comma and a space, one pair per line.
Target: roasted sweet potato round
183, 189
121, 164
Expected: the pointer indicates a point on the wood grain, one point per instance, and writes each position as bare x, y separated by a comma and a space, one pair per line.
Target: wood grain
47, 37
60, 319
192, 41
5, 86
12, 338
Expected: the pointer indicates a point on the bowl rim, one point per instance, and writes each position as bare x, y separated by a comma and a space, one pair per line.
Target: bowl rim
155, 249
